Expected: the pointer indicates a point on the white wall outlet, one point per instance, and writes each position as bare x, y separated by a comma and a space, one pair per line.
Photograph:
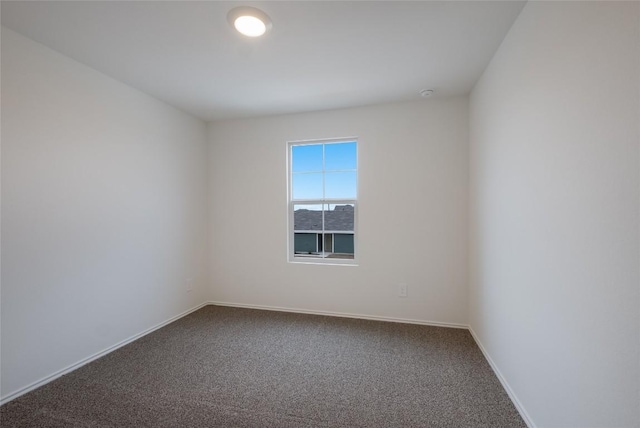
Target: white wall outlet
189, 283
403, 290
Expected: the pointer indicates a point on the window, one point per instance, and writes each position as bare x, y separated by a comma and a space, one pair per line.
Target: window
323, 178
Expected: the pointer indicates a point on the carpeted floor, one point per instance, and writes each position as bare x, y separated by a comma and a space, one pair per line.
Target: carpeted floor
229, 367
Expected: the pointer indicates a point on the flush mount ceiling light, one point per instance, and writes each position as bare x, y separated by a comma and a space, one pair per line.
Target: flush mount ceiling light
249, 21
426, 93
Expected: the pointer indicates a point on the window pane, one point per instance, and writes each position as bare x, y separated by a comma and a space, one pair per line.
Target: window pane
306, 158
328, 243
340, 185
339, 218
307, 186
305, 243
307, 229
343, 245
340, 156
307, 217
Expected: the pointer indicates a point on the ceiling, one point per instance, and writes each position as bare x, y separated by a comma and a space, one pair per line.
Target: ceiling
319, 55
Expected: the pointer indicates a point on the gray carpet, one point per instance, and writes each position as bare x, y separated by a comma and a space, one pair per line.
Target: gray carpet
229, 367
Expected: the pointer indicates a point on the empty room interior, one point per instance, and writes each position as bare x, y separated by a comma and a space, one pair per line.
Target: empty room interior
320, 214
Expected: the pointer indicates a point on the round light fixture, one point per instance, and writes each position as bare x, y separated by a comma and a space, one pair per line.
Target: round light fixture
249, 21
426, 93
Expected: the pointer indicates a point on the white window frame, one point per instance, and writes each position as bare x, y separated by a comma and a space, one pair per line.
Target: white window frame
292, 257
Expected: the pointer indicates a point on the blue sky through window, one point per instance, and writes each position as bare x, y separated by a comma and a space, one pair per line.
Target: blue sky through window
340, 156
307, 168
307, 158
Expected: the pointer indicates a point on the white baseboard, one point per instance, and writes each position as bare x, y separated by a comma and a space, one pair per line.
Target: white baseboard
519, 407
341, 314
93, 357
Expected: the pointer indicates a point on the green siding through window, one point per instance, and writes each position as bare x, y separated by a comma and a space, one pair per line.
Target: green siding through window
305, 243
343, 243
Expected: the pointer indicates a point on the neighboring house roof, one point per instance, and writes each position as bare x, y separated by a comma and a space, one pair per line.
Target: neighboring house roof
338, 219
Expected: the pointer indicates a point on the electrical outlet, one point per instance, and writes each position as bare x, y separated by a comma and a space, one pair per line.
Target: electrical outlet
402, 290
189, 284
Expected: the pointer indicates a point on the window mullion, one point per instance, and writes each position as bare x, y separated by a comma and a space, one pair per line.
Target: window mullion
324, 250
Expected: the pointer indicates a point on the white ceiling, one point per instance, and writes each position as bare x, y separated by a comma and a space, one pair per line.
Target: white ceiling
319, 54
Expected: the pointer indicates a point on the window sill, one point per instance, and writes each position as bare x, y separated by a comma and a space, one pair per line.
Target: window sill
308, 260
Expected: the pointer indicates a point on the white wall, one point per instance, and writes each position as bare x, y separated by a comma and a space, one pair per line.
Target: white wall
103, 212
555, 212
413, 191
